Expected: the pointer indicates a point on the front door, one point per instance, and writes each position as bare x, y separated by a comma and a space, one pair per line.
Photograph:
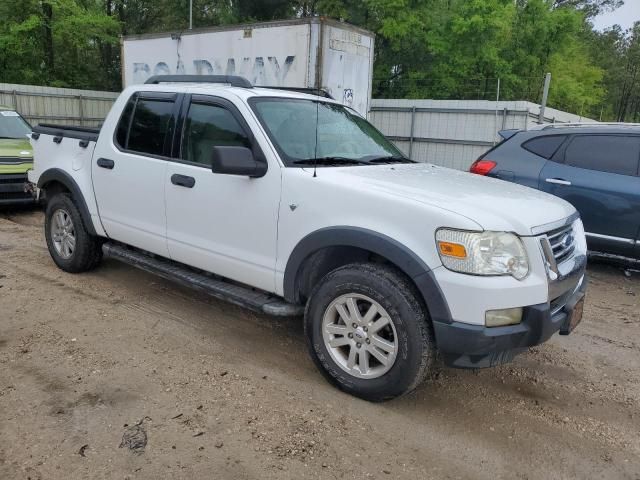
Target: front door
224, 224
598, 174
129, 172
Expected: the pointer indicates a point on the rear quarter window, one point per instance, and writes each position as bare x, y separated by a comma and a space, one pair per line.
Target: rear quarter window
122, 131
545, 146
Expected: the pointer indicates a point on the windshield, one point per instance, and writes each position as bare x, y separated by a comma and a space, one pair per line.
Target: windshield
343, 137
13, 125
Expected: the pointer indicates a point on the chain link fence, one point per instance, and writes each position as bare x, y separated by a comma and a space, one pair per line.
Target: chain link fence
506, 89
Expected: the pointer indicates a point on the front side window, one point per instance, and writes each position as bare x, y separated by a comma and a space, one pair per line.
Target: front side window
149, 126
12, 125
207, 126
605, 153
304, 131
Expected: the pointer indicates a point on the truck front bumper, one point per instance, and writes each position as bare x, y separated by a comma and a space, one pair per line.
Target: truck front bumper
475, 346
12, 189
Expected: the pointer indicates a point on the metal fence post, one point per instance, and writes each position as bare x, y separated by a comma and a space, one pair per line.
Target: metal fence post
81, 111
495, 124
504, 118
413, 121
15, 100
545, 97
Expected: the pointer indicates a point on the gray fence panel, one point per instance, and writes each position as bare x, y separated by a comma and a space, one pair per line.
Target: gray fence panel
64, 106
453, 133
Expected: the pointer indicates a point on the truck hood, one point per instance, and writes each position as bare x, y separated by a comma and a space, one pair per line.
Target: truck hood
491, 203
16, 155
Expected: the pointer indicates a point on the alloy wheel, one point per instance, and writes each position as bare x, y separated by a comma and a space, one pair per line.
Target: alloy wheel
63, 234
360, 336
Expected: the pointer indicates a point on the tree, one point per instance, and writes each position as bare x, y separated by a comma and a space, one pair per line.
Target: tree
617, 53
54, 42
577, 84
447, 49
629, 99
591, 8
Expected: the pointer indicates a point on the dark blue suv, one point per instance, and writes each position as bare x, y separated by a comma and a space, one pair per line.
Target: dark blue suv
595, 167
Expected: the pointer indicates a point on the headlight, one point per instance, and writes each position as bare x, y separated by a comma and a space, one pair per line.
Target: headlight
482, 253
579, 235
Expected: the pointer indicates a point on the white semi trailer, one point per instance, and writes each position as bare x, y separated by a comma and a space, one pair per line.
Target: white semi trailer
304, 53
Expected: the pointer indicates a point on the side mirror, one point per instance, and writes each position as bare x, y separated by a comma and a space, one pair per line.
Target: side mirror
236, 161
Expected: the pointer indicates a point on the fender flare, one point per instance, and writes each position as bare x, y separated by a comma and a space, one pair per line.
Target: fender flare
395, 252
57, 175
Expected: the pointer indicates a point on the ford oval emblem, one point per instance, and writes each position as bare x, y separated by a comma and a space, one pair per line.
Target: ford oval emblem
567, 240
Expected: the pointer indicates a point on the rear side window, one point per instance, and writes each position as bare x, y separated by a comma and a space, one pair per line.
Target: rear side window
545, 146
145, 124
149, 126
605, 153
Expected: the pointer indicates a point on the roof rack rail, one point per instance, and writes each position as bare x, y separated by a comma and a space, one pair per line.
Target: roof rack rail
311, 91
590, 125
233, 80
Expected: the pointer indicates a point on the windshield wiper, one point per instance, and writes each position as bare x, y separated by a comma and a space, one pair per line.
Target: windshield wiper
330, 161
389, 159
10, 138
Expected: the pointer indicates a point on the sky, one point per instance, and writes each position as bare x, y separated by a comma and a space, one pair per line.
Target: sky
624, 16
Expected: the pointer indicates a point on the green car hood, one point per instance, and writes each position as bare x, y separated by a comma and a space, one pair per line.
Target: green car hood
16, 155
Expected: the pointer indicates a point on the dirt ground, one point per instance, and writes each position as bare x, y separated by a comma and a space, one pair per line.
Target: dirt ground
94, 365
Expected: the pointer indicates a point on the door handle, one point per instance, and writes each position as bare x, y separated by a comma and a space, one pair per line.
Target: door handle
106, 163
558, 181
183, 180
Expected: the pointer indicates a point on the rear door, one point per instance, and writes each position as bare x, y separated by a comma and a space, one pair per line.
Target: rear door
129, 172
598, 174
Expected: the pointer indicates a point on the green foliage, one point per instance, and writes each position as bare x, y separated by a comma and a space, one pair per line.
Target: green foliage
539, 32
54, 42
448, 49
591, 8
617, 53
577, 84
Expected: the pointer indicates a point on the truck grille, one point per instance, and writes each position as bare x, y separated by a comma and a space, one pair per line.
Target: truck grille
12, 188
13, 178
563, 242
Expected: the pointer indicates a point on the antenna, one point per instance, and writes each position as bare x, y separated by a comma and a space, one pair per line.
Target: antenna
315, 153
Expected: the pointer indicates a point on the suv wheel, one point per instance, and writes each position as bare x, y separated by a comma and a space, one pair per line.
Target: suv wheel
368, 332
71, 246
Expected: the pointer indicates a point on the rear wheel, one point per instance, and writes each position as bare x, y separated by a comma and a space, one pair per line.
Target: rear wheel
368, 332
71, 246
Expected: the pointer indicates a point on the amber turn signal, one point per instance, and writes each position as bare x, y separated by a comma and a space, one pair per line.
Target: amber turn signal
452, 249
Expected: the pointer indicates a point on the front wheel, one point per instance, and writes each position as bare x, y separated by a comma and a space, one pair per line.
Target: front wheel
368, 332
70, 245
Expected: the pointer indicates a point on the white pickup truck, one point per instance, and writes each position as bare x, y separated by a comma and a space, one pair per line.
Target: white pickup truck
291, 203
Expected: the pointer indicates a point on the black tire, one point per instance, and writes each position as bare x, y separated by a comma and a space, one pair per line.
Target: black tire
416, 348
88, 248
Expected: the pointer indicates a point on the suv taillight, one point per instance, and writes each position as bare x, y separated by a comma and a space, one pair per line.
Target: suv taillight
482, 167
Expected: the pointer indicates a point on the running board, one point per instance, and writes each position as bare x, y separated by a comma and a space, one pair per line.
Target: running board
246, 297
